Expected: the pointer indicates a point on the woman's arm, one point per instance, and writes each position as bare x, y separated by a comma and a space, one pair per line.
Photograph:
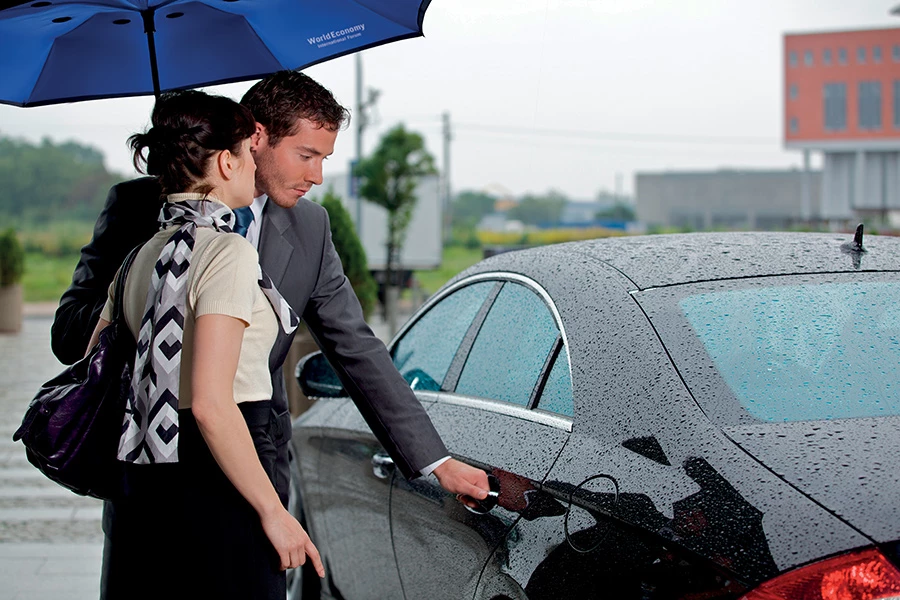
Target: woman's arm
95, 337
217, 346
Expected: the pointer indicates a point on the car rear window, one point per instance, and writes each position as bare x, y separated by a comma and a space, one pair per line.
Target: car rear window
809, 351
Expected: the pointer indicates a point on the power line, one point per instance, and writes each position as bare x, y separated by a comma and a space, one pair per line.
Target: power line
432, 123
607, 147
615, 136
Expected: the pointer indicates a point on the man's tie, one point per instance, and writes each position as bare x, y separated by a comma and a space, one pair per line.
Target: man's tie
242, 218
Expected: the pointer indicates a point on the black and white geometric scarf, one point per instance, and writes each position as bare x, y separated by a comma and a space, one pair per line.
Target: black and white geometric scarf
150, 428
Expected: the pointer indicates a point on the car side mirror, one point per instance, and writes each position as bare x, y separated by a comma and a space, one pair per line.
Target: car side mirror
317, 378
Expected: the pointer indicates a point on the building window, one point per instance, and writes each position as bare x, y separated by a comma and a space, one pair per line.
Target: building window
793, 91
842, 56
876, 54
870, 105
861, 55
808, 58
792, 57
794, 125
895, 52
826, 56
897, 103
835, 106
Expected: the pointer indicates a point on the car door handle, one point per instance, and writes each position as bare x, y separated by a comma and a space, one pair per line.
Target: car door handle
382, 465
487, 505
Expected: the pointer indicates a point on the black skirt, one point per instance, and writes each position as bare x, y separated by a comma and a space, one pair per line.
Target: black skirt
182, 530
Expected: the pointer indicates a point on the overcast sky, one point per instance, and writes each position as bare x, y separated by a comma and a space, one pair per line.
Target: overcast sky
574, 95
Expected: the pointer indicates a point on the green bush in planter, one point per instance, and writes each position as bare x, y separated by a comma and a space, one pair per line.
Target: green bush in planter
12, 258
351, 251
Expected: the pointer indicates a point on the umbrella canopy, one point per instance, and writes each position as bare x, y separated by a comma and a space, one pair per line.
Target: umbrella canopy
54, 51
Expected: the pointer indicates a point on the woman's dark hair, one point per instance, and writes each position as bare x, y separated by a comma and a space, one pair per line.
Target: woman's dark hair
281, 99
188, 127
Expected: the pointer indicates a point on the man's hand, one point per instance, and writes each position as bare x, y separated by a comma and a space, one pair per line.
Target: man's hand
463, 480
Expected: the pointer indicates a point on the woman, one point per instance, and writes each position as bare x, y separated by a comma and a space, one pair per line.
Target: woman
200, 517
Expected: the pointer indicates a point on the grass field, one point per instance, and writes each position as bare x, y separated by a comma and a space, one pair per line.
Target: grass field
47, 277
456, 258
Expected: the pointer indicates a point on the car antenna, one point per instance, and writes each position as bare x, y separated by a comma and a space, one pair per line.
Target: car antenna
855, 248
857, 244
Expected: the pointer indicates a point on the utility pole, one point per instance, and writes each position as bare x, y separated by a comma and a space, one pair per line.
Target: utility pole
445, 180
362, 121
805, 201
360, 125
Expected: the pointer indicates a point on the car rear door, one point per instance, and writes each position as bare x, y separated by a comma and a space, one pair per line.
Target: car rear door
484, 411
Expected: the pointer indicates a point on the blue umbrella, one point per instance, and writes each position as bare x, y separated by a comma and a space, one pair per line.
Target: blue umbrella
54, 51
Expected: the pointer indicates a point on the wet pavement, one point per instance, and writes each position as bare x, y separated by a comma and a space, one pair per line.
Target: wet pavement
50, 539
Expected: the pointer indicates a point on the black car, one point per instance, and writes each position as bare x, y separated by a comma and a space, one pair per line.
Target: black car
664, 416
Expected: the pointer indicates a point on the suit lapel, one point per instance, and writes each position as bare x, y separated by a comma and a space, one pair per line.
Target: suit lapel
275, 252
274, 249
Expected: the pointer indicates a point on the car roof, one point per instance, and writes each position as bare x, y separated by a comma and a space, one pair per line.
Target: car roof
670, 259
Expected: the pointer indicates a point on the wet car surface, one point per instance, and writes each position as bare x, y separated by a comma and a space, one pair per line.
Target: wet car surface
668, 416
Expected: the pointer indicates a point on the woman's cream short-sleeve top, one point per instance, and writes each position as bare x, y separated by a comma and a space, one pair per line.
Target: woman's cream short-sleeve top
222, 279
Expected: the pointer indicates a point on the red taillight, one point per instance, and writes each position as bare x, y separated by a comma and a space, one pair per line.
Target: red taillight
862, 575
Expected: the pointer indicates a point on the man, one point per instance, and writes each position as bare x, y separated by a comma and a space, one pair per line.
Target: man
297, 125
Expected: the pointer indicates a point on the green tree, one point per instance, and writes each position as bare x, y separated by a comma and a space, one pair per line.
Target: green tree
389, 177
620, 211
49, 182
539, 210
351, 251
469, 207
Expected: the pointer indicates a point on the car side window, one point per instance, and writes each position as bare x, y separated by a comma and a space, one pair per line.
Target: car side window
557, 395
511, 348
425, 351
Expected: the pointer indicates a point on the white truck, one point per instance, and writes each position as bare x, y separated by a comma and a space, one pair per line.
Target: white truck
423, 247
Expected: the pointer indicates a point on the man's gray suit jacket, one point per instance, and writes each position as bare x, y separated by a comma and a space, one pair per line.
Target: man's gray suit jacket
297, 253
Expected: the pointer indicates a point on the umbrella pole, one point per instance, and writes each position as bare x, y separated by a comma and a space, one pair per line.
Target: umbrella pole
149, 29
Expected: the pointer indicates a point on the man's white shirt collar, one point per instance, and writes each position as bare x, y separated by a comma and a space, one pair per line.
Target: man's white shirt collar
259, 203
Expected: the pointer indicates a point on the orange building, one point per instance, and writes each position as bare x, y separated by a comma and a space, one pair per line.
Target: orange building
842, 98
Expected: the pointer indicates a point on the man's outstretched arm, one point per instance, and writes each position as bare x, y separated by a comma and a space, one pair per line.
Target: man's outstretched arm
386, 402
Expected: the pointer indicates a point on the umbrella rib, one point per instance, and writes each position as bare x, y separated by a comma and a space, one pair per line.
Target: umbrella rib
422, 7
164, 4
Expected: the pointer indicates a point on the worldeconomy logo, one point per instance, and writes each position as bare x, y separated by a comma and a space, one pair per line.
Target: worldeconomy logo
336, 37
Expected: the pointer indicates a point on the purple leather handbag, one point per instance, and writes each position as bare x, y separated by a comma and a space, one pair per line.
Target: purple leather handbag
71, 429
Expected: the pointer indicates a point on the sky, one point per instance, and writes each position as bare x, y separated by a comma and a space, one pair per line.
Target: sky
570, 95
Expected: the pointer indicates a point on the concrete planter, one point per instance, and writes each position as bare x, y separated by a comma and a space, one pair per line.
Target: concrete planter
11, 303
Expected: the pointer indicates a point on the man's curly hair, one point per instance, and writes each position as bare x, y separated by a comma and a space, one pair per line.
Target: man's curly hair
281, 99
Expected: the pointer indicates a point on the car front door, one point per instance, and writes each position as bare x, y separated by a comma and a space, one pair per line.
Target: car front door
355, 471
484, 411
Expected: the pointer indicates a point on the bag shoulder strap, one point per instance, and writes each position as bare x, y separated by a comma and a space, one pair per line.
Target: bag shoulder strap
119, 292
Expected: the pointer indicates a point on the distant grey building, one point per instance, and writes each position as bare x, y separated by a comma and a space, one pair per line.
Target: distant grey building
585, 211
581, 211
759, 200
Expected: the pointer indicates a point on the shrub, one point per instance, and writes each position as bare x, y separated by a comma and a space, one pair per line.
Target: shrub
350, 249
12, 258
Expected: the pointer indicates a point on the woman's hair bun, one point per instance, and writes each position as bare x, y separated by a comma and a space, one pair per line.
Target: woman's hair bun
188, 127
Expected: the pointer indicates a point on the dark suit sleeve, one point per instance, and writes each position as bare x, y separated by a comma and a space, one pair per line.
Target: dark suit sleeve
128, 219
393, 412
